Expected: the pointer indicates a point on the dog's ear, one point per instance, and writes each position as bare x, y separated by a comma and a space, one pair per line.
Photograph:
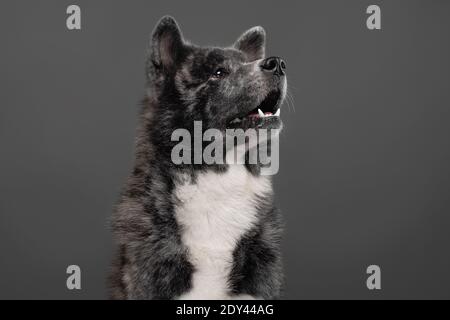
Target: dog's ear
167, 44
253, 43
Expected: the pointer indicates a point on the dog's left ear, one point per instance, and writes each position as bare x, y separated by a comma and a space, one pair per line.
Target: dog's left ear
167, 44
253, 43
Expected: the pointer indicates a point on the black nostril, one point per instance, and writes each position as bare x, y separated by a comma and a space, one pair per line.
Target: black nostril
274, 65
269, 64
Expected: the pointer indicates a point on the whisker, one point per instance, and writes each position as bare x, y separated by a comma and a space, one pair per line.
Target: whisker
290, 99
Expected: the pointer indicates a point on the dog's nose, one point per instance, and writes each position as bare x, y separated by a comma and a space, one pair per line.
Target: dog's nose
276, 65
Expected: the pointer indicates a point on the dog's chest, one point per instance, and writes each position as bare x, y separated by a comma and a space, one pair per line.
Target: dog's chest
214, 213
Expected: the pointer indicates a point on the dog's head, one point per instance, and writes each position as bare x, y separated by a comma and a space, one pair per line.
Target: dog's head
233, 87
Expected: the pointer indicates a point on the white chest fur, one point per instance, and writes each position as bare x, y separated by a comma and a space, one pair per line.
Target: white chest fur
214, 213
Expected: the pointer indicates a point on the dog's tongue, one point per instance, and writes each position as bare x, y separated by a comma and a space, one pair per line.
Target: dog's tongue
257, 114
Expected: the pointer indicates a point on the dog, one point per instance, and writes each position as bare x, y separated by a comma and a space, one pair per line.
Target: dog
196, 230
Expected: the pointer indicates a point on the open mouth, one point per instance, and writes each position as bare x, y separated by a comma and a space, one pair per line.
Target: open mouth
267, 111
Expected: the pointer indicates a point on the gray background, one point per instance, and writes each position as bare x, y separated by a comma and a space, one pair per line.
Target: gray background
365, 157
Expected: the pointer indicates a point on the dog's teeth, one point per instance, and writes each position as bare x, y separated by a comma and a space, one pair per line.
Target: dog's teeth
278, 112
261, 114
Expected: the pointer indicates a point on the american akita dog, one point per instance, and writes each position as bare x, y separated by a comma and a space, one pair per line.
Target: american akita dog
200, 231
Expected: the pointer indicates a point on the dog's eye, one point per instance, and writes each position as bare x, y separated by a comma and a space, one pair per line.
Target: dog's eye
220, 72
